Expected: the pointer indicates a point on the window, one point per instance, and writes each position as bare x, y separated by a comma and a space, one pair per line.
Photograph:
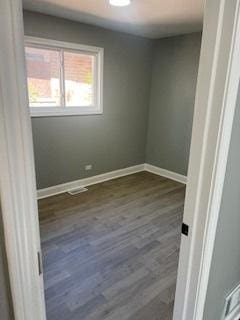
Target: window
63, 78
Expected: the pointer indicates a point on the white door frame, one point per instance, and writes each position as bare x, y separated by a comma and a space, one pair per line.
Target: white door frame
214, 112
17, 175
216, 96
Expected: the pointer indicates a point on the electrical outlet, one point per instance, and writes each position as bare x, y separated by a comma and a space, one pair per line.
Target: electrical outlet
88, 167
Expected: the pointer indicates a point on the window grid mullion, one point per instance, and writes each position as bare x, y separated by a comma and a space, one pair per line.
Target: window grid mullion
62, 78
95, 80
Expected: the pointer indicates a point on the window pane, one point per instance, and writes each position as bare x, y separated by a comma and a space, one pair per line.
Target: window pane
43, 75
78, 72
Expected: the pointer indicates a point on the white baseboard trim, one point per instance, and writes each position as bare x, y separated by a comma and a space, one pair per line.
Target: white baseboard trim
65, 187
61, 188
165, 173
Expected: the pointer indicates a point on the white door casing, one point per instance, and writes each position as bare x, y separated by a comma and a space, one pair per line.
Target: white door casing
17, 175
216, 97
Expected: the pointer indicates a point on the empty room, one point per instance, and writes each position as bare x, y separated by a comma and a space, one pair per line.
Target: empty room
119, 160
111, 98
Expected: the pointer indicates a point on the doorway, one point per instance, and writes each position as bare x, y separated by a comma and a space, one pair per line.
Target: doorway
23, 310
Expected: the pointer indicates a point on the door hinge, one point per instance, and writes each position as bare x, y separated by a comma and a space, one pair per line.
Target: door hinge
185, 229
40, 265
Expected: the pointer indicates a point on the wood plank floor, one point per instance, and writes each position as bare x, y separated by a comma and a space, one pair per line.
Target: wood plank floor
111, 253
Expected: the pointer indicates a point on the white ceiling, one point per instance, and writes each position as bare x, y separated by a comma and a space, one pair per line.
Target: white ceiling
149, 18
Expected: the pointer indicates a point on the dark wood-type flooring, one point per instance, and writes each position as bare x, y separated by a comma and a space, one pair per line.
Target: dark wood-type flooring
112, 253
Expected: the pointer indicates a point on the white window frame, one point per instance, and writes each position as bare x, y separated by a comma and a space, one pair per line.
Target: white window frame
62, 110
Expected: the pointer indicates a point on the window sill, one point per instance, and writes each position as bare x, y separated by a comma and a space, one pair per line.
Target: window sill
63, 112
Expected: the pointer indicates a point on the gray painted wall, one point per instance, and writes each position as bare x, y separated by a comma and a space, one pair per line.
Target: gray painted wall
225, 268
119, 137
6, 311
175, 68
116, 139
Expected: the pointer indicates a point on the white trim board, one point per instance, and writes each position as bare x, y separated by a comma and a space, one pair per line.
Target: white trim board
166, 173
61, 188
17, 172
65, 187
215, 103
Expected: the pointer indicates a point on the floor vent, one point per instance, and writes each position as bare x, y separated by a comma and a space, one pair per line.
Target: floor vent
77, 191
